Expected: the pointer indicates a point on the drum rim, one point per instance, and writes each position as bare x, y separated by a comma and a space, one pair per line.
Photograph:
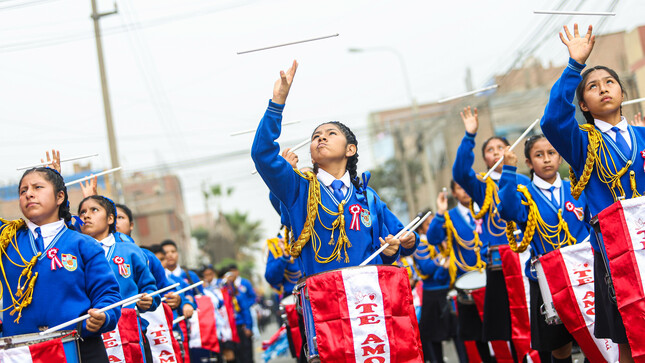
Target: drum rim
473, 274
303, 280
20, 340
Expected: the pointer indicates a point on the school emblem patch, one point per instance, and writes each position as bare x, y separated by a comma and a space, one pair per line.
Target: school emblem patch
579, 211
124, 268
366, 218
69, 262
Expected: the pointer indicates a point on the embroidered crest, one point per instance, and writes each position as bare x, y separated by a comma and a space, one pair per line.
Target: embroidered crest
366, 218
52, 254
355, 210
69, 262
643, 156
124, 268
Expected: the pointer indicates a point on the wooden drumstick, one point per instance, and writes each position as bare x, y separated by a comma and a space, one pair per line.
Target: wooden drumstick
303, 143
92, 176
185, 289
62, 161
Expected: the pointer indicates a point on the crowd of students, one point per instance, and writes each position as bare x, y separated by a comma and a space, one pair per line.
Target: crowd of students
57, 267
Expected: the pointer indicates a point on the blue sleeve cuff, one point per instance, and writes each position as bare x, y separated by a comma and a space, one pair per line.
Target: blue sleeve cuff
470, 136
275, 107
509, 169
440, 217
575, 66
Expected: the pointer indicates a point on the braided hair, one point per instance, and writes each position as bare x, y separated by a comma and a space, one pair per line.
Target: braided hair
54, 177
107, 204
580, 90
352, 161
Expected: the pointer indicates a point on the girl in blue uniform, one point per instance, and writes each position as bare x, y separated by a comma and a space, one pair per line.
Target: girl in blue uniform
339, 221
550, 218
497, 318
458, 229
65, 274
604, 149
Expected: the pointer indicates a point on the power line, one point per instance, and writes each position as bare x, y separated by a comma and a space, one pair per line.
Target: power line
26, 4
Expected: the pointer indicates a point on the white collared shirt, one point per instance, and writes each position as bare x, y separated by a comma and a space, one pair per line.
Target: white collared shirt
464, 211
48, 231
326, 179
176, 271
107, 242
605, 128
544, 187
495, 175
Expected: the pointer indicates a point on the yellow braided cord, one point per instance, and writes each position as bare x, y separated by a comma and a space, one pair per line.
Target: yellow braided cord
459, 262
314, 202
491, 199
598, 156
24, 290
550, 234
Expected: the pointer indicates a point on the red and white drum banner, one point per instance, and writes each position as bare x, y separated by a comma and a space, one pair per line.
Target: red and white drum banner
229, 312
517, 286
45, 352
122, 344
203, 333
364, 314
163, 345
623, 230
569, 273
501, 348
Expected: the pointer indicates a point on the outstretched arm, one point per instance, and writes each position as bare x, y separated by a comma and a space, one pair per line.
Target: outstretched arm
510, 207
462, 169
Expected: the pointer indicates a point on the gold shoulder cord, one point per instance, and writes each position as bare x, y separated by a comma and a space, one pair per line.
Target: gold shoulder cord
598, 156
491, 199
534, 222
314, 203
459, 262
25, 289
274, 247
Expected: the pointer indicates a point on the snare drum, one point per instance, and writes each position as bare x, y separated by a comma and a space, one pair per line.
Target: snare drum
365, 303
287, 304
290, 318
493, 258
467, 283
69, 339
547, 309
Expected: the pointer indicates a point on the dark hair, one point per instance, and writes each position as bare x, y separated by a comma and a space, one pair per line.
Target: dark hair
453, 183
107, 204
352, 161
127, 211
156, 248
54, 177
528, 145
500, 138
232, 266
580, 90
168, 242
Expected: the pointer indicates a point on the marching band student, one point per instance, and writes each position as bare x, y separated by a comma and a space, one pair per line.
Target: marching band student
244, 298
171, 253
125, 225
497, 317
432, 268
603, 154
458, 229
333, 222
129, 263
53, 274
550, 218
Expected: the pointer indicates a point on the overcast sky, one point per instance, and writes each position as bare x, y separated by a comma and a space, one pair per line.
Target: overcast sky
179, 89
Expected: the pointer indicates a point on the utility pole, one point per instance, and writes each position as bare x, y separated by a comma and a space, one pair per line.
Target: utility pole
114, 154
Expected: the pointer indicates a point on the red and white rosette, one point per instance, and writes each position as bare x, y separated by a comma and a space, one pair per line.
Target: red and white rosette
52, 253
355, 210
120, 262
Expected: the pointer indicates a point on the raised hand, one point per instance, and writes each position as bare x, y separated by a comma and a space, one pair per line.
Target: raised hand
470, 119
90, 187
638, 120
509, 157
579, 47
290, 157
442, 203
54, 160
283, 85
